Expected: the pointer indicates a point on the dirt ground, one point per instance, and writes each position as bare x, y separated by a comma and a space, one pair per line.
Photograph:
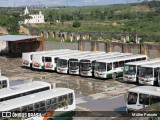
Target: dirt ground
91, 93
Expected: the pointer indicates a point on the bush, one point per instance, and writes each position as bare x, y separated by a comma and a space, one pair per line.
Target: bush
76, 24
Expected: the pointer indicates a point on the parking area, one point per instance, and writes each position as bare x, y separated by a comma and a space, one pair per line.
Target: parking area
91, 94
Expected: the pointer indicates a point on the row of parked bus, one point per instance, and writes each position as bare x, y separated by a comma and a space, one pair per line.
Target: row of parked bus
143, 72
36, 97
84, 63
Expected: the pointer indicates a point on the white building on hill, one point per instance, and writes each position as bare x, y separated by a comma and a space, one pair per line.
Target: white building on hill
36, 18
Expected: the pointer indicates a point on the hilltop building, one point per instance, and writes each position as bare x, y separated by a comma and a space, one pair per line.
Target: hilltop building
36, 18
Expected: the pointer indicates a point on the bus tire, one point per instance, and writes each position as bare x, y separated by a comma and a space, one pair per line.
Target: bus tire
49, 119
114, 75
155, 83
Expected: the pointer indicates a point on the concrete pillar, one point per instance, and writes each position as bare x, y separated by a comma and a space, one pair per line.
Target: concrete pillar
144, 49
78, 37
65, 35
109, 47
81, 45
127, 38
94, 46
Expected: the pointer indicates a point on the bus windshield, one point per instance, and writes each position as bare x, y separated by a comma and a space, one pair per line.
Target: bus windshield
48, 59
74, 65
132, 98
62, 63
130, 69
85, 66
100, 66
145, 72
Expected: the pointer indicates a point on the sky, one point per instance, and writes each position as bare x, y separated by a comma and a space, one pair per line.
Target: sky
16, 3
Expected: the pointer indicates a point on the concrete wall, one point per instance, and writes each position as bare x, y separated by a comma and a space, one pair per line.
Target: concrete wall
151, 50
48, 45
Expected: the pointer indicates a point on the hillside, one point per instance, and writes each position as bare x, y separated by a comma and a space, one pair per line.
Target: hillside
138, 18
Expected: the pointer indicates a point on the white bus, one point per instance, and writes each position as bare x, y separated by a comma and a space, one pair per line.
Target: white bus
87, 66
113, 67
27, 57
62, 62
148, 74
39, 61
4, 82
23, 89
131, 69
142, 96
73, 63
51, 104
51, 60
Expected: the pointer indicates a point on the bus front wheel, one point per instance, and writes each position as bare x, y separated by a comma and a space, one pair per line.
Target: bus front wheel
114, 75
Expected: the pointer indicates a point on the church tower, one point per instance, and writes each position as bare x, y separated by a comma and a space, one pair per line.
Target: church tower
26, 11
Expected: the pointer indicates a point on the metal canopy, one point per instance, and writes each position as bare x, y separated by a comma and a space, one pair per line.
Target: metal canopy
17, 37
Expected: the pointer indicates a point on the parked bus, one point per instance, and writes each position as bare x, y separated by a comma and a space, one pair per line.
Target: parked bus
27, 57
4, 82
142, 96
148, 74
51, 60
131, 69
113, 67
51, 104
62, 62
23, 89
39, 61
87, 66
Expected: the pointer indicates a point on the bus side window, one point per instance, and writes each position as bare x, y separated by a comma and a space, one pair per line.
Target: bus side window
132, 60
0, 84
4, 84
144, 99
60, 100
24, 109
42, 108
127, 61
48, 104
138, 59
144, 58
155, 72
93, 64
109, 66
30, 108
15, 110
154, 99
70, 98
31, 57
121, 63
36, 107
65, 103
54, 103
55, 60
115, 65
43, 59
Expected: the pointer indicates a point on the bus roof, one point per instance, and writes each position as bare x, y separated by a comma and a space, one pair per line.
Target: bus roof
149, 90
81, 53
144, 62
103, 56
17, 89
86, 52
39, 52
55, 53
122, 58
3, 78
153, 65
37, 97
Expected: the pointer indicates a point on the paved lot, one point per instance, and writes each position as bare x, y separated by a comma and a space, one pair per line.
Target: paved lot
91, 94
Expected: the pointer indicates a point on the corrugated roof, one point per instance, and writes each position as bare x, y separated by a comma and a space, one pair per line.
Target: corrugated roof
17, 37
